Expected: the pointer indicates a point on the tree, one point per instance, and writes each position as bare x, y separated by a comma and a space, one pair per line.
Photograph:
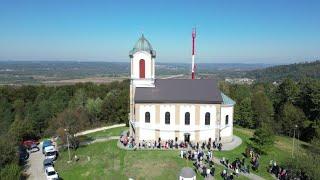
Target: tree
7, 151
6, 115
18, 106
94, 107
21, 130
224, 87
310, 98
59, 101
263, 139
316, 139
288, 91
243, 113
262, 109
289, 117
72, 120
10, 171
240, 92
115, 106
79, 99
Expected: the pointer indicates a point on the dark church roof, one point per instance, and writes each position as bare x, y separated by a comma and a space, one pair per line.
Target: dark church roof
204, 91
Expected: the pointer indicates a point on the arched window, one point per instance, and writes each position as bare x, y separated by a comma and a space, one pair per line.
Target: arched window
227, 119
207, 119
187, 118
147, 117
142, 68
167, 118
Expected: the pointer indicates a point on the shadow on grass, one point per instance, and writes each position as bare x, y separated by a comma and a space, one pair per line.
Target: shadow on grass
310, 148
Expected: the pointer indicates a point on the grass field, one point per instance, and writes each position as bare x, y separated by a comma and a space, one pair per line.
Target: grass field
106, 161
280, 152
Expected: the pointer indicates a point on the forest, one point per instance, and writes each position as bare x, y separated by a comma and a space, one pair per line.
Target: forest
33, 112
291, 108
295, 71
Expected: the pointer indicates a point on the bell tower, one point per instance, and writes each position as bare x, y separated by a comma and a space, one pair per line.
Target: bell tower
142, 64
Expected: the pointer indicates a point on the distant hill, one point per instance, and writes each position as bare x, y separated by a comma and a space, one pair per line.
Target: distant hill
295, 71
38, 72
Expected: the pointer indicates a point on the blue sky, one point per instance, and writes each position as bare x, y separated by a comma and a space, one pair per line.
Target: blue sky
233, 31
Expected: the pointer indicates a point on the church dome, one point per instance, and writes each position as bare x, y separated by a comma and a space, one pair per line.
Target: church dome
143, 45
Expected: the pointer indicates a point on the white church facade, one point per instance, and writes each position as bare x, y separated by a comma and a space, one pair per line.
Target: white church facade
183, 109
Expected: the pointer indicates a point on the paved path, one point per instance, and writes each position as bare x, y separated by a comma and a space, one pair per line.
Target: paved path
248, 175
99, 129
34, 167
209, 177
236, 141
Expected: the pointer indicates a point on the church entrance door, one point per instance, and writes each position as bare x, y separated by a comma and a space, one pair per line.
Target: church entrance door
186, 137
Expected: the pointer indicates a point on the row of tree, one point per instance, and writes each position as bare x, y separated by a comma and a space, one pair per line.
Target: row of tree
30, 112
284, 107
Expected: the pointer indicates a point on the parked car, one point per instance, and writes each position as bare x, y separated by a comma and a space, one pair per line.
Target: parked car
47, 163
50, 152
45, 144
23, 154
30, 144
51, 174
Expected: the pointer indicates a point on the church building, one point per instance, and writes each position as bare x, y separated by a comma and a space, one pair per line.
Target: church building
183, 109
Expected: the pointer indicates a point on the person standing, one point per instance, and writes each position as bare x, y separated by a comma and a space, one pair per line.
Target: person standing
212, 170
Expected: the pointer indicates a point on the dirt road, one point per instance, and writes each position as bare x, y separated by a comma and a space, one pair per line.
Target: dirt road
35, 165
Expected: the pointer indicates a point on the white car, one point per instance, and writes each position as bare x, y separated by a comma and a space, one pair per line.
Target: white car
50, 152
51, 174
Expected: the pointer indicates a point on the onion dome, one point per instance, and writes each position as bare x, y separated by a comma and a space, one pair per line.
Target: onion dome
143, 45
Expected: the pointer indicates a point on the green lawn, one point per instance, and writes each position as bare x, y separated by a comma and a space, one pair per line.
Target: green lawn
280, 152
106, 161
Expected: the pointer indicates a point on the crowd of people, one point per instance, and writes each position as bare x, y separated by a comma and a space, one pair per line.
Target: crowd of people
279, 172
237, 165
129, 141
175, 144
203, 161
254, 157
202, 156
240, 165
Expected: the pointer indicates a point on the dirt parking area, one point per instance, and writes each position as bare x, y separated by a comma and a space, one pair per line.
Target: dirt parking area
35, 165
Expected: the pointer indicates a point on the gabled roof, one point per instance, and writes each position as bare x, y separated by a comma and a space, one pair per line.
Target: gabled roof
199, 91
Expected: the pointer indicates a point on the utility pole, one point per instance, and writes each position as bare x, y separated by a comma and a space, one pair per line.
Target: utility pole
68, 145
193, 76
294, 136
